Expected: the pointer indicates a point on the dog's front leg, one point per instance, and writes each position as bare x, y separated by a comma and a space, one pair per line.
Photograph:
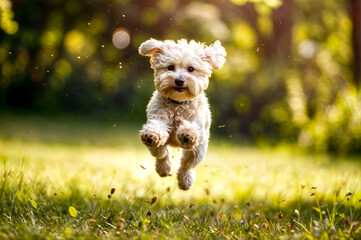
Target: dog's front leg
189, 134
155, 134
190, 159
193, 138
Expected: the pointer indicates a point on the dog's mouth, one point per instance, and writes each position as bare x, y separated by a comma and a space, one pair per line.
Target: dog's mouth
178, 89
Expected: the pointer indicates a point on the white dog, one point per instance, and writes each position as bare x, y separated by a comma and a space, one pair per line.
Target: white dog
178, 112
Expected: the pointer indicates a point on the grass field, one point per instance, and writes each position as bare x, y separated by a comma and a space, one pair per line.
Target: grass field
79, 178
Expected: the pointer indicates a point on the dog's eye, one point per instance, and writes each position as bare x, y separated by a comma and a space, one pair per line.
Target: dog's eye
171, 68
190, 69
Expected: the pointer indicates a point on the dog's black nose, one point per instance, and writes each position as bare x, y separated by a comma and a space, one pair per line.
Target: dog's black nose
179, 82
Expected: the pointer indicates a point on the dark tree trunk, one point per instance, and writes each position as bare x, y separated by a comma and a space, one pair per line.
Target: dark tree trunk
279, 45
355, 15
282, 30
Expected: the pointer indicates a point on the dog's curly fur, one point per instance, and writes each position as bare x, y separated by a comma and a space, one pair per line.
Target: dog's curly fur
178, 112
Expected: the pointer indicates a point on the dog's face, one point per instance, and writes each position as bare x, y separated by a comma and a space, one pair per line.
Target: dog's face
182, 69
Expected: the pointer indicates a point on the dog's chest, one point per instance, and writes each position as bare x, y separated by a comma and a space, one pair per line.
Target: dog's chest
184, 112
180, 112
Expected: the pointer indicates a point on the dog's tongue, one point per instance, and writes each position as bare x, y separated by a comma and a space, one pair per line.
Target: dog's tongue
179, 89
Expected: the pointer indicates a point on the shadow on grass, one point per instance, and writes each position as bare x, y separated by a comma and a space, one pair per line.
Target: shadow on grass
69, 130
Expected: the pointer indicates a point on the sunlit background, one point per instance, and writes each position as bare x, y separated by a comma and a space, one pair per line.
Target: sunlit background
291, 75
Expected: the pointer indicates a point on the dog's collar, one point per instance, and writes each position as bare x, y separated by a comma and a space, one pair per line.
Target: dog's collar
180, 103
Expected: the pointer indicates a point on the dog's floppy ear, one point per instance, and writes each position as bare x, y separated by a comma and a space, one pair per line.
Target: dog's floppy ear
216, 55
149, 47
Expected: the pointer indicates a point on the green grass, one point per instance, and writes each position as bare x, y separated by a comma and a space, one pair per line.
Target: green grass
49, 165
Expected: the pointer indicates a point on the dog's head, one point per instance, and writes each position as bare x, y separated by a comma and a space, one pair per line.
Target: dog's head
182, 69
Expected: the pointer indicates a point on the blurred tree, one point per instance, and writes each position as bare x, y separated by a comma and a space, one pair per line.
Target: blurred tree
6, 18
288, 75
355, 15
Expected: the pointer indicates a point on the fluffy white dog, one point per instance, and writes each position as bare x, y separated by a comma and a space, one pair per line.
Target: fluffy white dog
178, 112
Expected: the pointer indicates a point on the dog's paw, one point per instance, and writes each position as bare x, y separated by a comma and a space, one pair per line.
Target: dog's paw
185, 179
163, 167
187, 140
151, 139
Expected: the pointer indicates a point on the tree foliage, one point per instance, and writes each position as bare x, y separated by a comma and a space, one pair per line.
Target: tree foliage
289, 75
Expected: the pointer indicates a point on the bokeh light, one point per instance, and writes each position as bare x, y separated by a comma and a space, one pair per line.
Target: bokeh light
79, 44
121, 38
6, 20
307, 48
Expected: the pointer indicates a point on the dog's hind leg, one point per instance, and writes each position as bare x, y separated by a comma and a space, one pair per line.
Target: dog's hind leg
162, 163
190, 159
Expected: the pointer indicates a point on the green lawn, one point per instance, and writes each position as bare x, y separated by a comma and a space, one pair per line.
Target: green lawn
57, 175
